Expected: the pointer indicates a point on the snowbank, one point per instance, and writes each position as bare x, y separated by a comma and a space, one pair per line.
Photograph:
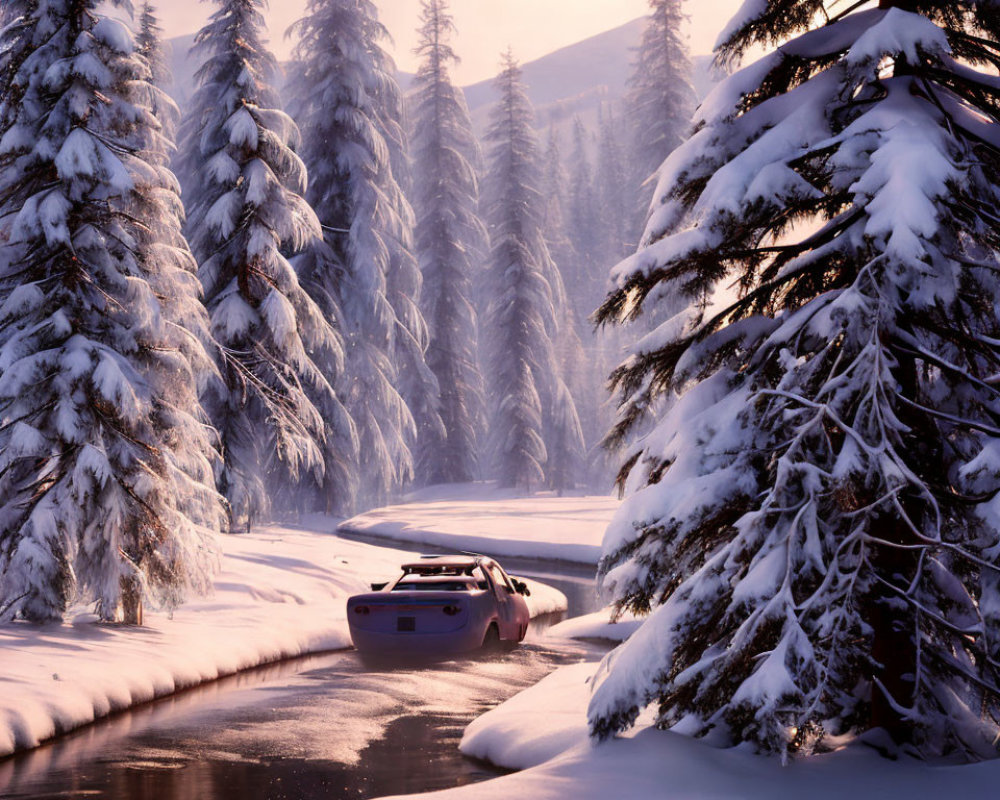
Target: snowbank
596, 626
669, 766
543, 731
536, 725
281, 593
544, 599
481, 518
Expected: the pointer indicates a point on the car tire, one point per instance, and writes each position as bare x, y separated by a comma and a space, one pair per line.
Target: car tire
491, 641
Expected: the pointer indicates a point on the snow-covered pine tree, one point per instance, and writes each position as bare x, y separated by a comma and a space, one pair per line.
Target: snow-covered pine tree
106, 464
587, 274
450, 241
658, 105
579, 352
418, 383
576, 367
561, 428
613, 199
342, 84
531, 410
276, 411
814, 523
554, 196
149, 45
158, 149
564, 442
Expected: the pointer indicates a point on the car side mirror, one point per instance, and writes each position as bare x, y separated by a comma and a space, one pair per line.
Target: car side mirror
378, 587
522, 587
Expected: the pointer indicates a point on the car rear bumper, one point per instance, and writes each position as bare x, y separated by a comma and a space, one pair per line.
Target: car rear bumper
417, 643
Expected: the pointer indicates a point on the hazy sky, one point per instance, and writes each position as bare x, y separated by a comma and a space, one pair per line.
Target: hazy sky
485, 27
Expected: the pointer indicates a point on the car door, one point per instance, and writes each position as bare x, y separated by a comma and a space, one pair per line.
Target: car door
519, 613
507, 614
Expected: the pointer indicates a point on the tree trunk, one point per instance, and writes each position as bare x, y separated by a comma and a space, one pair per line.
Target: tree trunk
131, 601
892, 619
893, 645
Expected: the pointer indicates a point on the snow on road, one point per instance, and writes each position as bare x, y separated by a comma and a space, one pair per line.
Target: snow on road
281, 593
481, 518
543, 731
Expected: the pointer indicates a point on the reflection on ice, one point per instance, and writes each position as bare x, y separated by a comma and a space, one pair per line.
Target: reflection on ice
326, 725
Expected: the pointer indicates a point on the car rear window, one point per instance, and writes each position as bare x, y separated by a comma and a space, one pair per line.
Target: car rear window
431, 586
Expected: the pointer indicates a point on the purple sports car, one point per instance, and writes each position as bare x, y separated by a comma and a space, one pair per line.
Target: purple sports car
440, 605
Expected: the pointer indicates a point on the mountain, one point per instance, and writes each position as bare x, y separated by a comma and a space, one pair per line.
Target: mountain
600, 64
578, 79
572, 81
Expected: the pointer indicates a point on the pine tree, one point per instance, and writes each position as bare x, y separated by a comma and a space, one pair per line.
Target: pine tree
658, 106
554, 195
573, 359
418, 384
161, 144
158, 146
562, 431
275, 409
813, 523
579, 351
346, 100
531, 411
450, 240
149, 45
587, 274
612, 199
563, 438
106, 465
157, 141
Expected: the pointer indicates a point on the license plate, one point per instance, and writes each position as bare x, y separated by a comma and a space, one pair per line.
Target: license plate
406, 624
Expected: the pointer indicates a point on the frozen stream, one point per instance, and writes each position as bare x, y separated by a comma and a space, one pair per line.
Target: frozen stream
326, 726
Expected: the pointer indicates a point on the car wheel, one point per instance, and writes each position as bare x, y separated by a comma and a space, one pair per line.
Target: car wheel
491, 641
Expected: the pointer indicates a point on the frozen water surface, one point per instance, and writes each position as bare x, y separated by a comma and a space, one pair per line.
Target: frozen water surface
327, 726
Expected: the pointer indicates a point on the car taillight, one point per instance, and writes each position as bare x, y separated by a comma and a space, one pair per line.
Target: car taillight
361, 610
451, 610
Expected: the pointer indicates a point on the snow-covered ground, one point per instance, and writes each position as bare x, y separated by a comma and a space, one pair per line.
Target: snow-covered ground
596, 626
479, 517
543, 731
281, 593
536, 725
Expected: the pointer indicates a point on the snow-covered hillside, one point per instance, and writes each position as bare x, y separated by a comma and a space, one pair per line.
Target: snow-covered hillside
578, 75
576, 80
